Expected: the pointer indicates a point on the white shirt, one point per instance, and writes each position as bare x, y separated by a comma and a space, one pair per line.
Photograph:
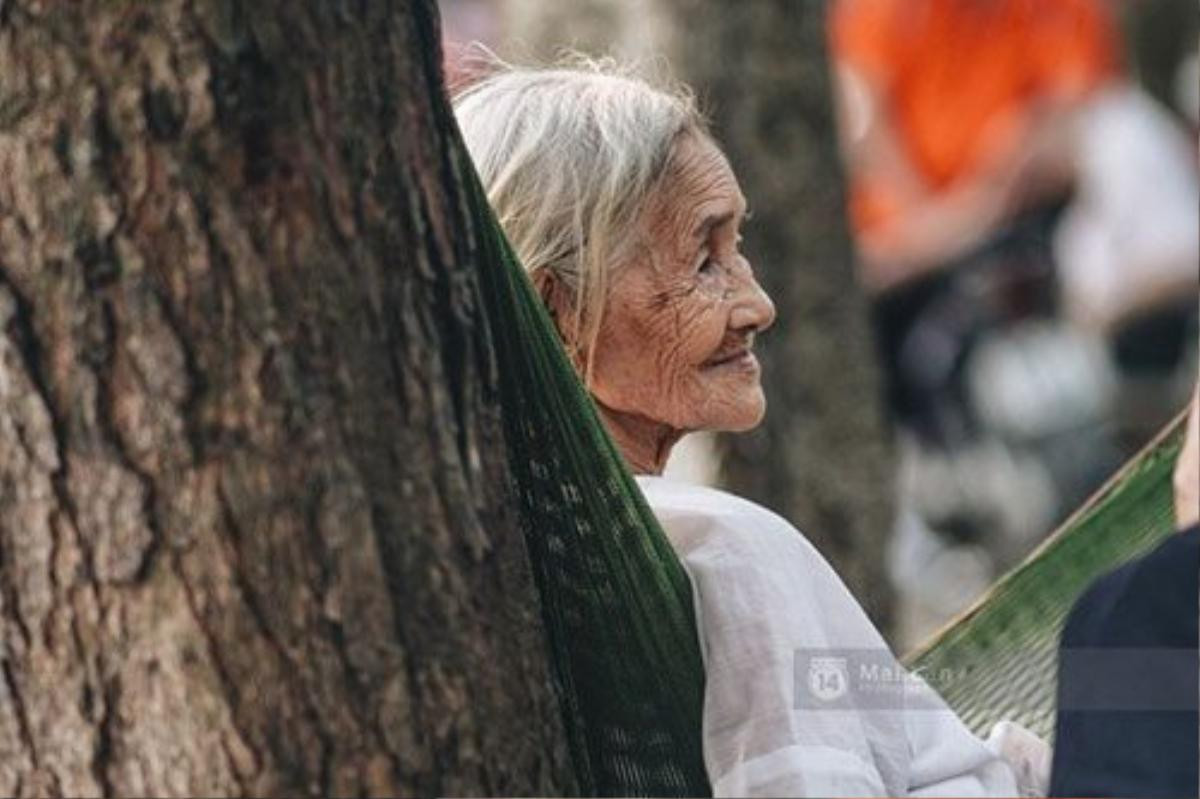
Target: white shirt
787, 709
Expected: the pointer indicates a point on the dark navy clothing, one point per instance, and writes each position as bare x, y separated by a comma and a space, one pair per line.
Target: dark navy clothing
1129, 674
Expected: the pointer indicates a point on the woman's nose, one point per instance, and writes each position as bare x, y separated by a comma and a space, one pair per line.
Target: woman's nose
753, 308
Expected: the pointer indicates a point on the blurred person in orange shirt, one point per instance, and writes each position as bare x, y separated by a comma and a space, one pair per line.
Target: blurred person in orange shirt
957, 115
958, 120
1025, 219
1001, 168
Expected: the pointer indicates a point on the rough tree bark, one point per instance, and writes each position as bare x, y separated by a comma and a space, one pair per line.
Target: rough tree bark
823, 457
253, 531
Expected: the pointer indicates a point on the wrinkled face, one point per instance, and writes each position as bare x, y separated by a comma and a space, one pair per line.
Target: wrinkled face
676, 338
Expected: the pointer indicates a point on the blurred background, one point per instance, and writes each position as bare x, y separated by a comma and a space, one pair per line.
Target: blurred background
980, 223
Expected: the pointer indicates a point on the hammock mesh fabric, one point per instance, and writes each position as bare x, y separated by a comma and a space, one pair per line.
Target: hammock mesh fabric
998, 659
616, 603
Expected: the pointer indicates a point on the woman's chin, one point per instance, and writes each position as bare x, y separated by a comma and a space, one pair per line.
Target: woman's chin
745, 415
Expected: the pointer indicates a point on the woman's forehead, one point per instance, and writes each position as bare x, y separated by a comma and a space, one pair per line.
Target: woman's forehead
699, 166
700, 190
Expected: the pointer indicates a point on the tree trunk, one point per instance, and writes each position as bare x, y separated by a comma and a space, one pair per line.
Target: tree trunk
822, 458
254, 536
1158, 37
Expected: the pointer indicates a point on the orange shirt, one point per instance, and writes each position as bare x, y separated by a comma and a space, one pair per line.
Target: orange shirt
957, 76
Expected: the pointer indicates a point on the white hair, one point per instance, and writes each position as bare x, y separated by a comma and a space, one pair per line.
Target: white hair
569, 157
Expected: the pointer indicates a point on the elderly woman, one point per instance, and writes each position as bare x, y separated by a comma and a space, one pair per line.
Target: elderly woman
627, 216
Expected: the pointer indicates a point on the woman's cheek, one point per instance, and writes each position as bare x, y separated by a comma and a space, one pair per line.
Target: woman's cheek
705, 328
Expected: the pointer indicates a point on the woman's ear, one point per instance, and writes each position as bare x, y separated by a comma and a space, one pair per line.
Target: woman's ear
559, 301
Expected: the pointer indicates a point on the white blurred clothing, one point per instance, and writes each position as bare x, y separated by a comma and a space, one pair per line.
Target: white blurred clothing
1130, 238
773, 618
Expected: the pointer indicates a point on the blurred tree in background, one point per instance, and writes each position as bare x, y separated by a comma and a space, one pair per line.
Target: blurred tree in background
1161, 34
254, 536
822, 457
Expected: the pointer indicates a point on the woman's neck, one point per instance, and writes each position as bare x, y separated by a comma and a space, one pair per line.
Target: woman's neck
646, 444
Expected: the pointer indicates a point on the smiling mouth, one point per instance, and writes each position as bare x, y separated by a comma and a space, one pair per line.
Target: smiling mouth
741, 357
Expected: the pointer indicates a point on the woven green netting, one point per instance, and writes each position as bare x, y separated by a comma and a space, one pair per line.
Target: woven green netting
998, 660
616, 603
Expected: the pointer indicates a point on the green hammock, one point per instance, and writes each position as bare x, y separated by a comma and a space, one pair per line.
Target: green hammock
616, 603
997, 660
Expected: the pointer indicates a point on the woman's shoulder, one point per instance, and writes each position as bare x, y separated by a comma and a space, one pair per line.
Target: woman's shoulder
676, 497
752, 570
696, 515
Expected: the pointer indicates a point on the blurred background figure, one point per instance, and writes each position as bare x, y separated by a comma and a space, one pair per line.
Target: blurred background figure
463, 23
1026, 223
1128, 712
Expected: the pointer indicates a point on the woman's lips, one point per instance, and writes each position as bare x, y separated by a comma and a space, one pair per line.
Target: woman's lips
742, 358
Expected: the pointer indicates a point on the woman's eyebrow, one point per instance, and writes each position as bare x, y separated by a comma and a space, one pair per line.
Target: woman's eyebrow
711, 221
